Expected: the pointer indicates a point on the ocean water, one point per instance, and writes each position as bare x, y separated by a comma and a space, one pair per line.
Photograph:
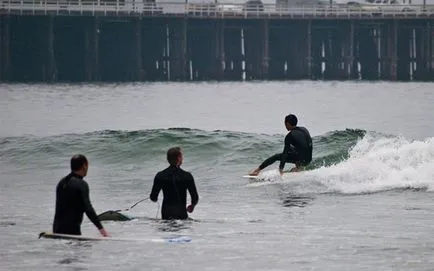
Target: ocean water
366, 202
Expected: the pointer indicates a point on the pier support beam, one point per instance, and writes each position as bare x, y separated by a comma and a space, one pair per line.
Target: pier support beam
393, 50
430, 51
384, 55
178, 49
389, 55
423, 57
138, 50
349, 54
70, 52
403, 67
184, 69
51, 60
379, 54
330, 50
289, 50
300, 56
335, 44
203, 50
220, 50
255, 34
1, 46
92, 50
153, 43
417, 66
95, 58
280, 35
233, 55
88, 53
265, 51
319, 38
6, 71
117, 50
368, 54
309, 49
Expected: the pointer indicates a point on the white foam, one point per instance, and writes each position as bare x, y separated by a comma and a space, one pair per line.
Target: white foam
375, 163
380, 163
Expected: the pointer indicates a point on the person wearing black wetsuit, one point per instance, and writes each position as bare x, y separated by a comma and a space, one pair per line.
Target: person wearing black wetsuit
72, 200
175, 182
297, 150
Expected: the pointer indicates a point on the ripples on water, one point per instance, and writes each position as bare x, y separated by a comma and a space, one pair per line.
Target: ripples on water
363, 204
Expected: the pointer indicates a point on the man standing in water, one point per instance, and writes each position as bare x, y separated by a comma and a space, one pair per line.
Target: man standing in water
175, 182
72, 200
297, 150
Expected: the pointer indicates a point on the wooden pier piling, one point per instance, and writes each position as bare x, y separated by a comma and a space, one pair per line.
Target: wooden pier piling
51, 60
112, 43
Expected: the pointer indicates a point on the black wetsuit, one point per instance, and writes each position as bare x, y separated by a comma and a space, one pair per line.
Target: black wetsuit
297, 150
174, 182
72, 200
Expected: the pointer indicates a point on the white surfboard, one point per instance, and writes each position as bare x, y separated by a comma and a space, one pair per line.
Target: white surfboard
251, 177
50, 235
270, 174
265, 176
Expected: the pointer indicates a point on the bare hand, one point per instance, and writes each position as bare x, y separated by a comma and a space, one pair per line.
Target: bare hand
190, 208
255, 172
103, 232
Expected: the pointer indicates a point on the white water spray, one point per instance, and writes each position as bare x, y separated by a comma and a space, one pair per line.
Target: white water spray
374, 164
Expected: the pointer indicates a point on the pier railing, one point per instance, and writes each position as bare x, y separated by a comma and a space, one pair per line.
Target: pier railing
209, 10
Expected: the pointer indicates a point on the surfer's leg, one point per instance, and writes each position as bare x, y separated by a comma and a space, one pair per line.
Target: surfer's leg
173, 212
294, 158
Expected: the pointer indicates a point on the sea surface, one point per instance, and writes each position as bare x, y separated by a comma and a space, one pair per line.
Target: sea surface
366, 201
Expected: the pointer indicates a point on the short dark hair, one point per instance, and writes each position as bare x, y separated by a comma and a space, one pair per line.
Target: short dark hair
291, 119
173, 154
78, 161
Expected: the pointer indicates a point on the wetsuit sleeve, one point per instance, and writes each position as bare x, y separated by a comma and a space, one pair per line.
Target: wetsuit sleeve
156, 187
192, 190
286, 149
88, 208
56, 213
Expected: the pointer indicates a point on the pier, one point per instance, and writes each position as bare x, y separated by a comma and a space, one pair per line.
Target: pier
124, 41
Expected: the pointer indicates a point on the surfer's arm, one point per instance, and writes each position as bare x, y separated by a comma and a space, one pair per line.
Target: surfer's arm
57, 212
88, 208
193, 191
286, 150
156, 187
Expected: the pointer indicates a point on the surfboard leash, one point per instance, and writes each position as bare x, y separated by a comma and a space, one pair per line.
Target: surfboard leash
132, 206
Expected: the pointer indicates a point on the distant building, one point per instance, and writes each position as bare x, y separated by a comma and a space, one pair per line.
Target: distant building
292, 3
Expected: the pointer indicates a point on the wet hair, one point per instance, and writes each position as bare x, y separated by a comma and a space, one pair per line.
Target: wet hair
78, 161
291, 119
173, 154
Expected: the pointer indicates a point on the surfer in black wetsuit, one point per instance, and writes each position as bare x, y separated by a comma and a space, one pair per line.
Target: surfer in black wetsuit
297, 150
175, 182
72, 200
